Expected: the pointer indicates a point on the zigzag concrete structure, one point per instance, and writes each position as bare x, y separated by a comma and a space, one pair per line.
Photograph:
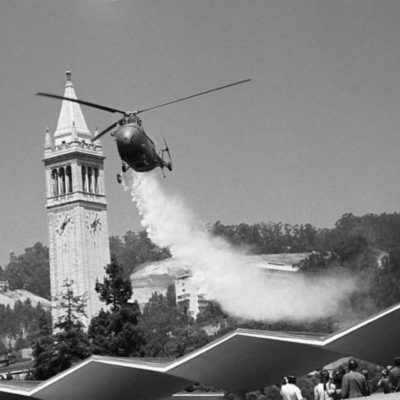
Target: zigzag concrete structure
239, 362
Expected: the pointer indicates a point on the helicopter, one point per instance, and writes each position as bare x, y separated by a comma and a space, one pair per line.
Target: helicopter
136, 149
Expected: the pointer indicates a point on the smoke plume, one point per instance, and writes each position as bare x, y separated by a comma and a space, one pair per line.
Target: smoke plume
218, 269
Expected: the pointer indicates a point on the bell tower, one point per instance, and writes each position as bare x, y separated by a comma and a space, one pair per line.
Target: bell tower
76, 207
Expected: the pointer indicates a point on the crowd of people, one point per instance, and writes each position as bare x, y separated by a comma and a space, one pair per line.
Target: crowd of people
344, 385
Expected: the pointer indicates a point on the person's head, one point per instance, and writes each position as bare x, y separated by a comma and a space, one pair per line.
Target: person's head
385, 372
352, 365
396, 361
365, 373
324, 376
292, 379
341, 370
285, 380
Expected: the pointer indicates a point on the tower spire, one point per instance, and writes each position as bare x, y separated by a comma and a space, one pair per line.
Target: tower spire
71, 117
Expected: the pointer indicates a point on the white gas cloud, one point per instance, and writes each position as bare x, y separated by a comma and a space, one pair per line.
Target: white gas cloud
218, 269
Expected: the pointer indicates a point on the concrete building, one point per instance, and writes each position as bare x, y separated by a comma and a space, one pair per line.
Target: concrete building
188, 295
76, 206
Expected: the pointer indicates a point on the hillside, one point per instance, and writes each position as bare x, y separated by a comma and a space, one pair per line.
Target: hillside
10, 297
154, 277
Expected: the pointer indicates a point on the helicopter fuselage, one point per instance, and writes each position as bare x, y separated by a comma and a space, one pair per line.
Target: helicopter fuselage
136, 149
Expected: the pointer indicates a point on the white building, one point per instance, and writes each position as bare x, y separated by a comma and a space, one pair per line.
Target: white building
188, 295
76, 207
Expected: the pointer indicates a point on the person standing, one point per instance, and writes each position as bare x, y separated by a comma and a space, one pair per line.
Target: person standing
394, 375
354, 384
290, 391
326, 389
384, 382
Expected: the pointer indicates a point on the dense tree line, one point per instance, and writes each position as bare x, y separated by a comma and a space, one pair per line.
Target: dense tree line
368, 248
135, 249
268, 238
170, 331
29, 271
20, 325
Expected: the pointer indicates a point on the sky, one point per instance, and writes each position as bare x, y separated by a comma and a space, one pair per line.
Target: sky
314, 135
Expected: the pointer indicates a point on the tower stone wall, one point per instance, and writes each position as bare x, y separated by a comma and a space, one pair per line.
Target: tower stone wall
76, 207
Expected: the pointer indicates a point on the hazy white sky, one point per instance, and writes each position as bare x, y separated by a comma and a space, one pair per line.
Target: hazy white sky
315, 133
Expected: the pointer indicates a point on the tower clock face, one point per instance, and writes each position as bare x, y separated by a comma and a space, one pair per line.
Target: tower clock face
94, 222
63, 223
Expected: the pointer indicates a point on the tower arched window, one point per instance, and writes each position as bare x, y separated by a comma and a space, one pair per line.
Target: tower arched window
68, 172
61, 173
90, 179
54, 182
83, 169
96, 180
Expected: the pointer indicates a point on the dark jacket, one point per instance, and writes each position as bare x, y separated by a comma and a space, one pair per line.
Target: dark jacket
354, 384
394, 377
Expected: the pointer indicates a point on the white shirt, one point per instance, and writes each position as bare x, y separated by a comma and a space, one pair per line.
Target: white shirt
321, 394
289, 391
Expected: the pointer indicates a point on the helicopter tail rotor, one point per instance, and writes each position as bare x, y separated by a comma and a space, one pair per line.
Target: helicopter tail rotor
168, 163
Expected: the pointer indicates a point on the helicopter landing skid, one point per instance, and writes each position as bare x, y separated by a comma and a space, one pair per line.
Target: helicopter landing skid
124, 169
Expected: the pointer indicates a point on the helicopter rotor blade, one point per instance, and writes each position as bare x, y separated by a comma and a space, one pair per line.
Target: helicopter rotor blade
193, 95
104, 131
83, 102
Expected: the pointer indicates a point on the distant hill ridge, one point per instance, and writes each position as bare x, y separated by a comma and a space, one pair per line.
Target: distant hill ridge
10, 297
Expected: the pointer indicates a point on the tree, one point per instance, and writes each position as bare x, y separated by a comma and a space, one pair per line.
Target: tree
115, 332
212, 314
135, 249
53, 353
169, 331
386, 279
30, 270
115, 291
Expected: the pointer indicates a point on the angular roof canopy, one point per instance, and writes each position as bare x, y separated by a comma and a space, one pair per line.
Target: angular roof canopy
239, 362
71, 121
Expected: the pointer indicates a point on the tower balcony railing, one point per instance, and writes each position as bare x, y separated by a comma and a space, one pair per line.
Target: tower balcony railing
75, 145
75, 196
